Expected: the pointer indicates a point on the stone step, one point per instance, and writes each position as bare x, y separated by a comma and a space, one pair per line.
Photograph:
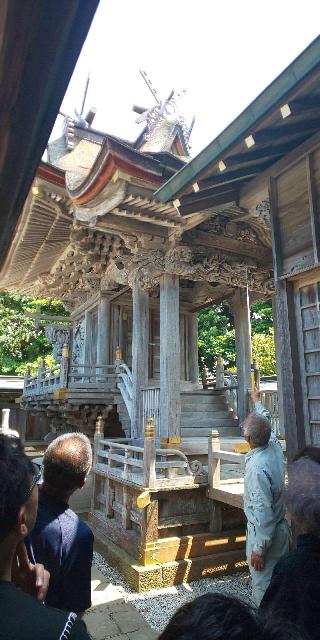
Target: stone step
203, 393
204, 408
201, 432
207, 418
205, 400
204, 420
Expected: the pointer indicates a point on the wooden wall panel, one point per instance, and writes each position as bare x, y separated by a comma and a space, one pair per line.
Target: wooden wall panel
294, 218
308, 318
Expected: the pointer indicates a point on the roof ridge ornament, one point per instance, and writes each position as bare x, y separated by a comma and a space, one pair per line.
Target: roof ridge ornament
164, 121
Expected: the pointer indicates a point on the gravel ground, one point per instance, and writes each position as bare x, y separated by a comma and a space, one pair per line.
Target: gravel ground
158, 605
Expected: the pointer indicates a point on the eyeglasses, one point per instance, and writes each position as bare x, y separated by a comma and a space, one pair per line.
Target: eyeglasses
36, 478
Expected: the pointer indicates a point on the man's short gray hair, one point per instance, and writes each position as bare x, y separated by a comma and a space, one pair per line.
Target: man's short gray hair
258, 428
67, 461
302, 496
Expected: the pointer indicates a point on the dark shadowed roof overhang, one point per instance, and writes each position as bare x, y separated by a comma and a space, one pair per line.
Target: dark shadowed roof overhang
39, 46
202, 183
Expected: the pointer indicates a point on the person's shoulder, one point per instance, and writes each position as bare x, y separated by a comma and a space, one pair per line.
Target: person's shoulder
39, 621
83, 531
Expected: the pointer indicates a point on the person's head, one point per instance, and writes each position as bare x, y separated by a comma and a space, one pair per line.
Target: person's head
67, 463
302, 495
214, 616
256, 430
18, 491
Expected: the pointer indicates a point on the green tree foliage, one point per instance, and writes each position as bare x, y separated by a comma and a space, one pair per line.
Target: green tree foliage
21, 343
263, 349
217, 336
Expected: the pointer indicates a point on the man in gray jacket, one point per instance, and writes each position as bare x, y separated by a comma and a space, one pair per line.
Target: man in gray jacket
267, 529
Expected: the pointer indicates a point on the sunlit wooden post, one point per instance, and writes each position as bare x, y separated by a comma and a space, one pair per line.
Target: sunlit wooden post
149, 455
219, 373
64, 366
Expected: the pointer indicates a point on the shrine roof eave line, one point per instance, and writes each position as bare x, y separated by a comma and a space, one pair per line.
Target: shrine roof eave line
307, 62
112, 157
50, 173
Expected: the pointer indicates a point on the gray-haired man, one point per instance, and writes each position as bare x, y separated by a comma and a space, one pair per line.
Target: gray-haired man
267, 529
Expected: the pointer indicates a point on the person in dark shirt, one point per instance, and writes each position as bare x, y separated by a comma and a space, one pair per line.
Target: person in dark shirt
23, 585
294, 590
215, 616
60, 540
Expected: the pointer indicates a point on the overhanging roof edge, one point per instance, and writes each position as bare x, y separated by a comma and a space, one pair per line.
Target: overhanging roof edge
294, 73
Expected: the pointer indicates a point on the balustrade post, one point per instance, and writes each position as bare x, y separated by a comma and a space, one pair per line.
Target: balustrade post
26, 380
41, 373
149, 455
215, 510
213, 463
219, 373
98, 434
64, 366
204, 377
256, 373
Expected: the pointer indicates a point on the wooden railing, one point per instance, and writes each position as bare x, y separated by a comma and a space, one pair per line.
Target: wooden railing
69, 375
47, 380
147, 467
150, 405
227, 491
92, 375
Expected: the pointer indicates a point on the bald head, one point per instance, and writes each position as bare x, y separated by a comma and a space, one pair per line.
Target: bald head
258, 429
67, 462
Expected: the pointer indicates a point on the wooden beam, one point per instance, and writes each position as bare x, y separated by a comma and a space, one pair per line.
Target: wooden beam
239, 247
207, 202
269, 151
289, 127
111, 223
226, 177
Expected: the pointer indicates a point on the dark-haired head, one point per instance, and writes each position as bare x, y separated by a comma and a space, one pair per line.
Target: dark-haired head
16, 474
218, 617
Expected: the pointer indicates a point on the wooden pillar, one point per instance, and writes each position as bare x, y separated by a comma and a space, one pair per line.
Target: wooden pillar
103, 338
140, 347
193, 348
87, 337
241, 313
170, 403
289, 386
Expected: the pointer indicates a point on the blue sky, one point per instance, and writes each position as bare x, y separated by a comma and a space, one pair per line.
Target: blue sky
223, 52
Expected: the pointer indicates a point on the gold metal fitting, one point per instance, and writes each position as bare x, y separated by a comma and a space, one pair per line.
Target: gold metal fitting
118, 353
168, 443
65, 351
99, 425
150, 431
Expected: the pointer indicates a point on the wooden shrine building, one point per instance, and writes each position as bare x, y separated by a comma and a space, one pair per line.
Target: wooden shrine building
135, 238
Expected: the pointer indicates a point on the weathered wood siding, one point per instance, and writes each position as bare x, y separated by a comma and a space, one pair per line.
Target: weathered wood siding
295, 214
